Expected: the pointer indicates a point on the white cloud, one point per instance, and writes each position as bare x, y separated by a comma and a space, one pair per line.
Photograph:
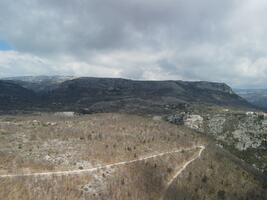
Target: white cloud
174, 39
13, 63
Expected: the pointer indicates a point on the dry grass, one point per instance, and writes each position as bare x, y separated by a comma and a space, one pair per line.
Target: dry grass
35, 144
140, 180
215, 176
52, 143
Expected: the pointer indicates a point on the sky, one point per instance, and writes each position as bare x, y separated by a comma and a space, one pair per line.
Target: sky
210, 40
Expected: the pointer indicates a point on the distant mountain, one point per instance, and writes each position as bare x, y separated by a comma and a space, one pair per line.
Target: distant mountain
86, 91
257, 97
115, 94
14, 96
38, 83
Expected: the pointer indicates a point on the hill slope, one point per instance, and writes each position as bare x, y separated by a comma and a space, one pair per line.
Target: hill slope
257, 97
102, 94
14, 96
112, 94
38, 83
46, 143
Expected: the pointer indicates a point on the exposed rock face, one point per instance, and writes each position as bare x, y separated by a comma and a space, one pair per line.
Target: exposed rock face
215, 124
245, 130
215, 86
245, 134
265, 120
65, 114
176, 119
157, 118
246, 140
194, 122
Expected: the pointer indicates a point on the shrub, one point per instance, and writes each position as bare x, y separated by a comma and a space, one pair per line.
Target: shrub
221, 194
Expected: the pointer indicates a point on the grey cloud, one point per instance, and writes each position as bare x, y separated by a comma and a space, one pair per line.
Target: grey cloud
192, 40
74, 26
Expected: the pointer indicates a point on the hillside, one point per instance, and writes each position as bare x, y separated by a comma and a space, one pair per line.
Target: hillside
14, 96
115, 156
258, 97
244, 134
90, 95
38, 83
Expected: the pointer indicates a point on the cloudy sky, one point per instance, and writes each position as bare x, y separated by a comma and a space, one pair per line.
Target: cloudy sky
213, 40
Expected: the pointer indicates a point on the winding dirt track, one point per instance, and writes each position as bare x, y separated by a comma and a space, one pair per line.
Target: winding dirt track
181, 170
114, 165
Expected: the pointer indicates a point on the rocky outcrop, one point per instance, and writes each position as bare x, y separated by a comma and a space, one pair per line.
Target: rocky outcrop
65, 114
244, 134
244, 131
194, 122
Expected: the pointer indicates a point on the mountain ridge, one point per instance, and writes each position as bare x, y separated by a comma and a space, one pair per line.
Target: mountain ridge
69, 93
257, 97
